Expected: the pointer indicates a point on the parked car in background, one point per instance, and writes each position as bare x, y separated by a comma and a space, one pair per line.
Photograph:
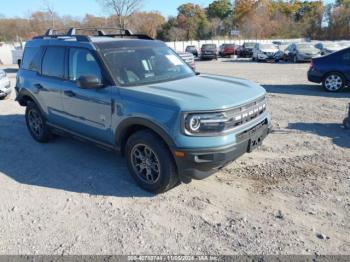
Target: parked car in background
188, 58
17, 55
5, 85
333, 70
265, 52
301, 52
247, 50
281, 54
327, 48
209, 51
227, 50
192, 49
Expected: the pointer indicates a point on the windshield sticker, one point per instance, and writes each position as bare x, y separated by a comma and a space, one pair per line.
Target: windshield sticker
174, 60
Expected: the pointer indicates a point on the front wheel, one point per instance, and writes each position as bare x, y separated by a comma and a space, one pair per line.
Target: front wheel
333, 82
150, 162
295, 59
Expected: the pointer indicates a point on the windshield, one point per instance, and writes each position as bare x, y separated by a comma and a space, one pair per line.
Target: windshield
305, 46
268, 46
249, 45
141, 65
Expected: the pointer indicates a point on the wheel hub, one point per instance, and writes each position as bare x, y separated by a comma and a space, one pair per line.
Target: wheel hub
334, 82
145, 163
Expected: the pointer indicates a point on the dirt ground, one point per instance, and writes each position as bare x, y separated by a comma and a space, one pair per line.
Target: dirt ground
292, 196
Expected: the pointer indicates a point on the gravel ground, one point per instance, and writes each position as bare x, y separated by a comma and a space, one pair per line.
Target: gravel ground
289, 197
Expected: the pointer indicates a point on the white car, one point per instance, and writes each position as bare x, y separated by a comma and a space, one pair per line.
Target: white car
5, 85
265, 52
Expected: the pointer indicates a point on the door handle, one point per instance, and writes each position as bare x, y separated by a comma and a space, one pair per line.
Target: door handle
69, 93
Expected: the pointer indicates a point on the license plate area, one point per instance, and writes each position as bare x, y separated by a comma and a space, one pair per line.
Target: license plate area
255, 142
255, 136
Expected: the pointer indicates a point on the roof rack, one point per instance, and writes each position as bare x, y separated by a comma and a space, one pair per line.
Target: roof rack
98, 32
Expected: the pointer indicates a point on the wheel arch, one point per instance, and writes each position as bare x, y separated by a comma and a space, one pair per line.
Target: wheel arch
334, 72
129, 126
24, 96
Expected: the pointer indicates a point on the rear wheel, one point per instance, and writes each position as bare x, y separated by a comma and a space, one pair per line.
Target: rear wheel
347, 123
150, 162
333, 82
36, 123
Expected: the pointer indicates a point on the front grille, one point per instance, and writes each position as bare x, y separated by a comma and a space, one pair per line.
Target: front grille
245, 114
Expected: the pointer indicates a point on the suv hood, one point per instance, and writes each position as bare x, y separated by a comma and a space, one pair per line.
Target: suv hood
199, 93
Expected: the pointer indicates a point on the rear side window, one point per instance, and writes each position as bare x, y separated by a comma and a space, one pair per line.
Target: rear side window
53, 62
82, 63
31, 59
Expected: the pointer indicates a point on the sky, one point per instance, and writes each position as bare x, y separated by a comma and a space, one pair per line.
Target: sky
78, 8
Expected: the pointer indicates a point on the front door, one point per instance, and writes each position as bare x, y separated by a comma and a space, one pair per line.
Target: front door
88, 111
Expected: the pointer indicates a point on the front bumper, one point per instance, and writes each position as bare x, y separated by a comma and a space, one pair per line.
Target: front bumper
265, 57
200, 164
5, 87
208, 55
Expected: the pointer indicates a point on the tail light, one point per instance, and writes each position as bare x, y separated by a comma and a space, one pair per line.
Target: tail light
312, 65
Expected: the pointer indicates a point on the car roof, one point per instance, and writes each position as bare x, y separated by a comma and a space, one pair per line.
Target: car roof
70, 38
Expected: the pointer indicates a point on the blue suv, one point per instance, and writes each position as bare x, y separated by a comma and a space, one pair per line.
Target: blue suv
135, 95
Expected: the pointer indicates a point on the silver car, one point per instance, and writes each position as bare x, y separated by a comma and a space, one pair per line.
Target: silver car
5, 85
298, 52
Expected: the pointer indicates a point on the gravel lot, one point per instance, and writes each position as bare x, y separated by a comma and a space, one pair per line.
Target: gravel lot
292, 196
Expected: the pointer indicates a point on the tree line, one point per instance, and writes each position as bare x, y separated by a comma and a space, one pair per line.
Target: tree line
255, 19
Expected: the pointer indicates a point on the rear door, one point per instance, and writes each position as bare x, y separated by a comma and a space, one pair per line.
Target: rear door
88, 111
50, 83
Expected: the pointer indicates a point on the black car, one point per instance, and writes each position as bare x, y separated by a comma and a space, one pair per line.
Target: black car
247, 50
192, 49
333, 70
209, 51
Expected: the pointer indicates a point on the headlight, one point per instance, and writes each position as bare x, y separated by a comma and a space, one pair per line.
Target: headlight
2, 74
205, 123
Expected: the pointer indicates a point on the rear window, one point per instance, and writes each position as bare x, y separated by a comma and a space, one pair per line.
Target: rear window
31, 59
53, 62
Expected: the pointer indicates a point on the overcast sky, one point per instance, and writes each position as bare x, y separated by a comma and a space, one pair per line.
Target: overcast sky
78, 8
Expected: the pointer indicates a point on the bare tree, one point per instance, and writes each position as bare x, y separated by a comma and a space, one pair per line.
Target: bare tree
121, 8
49, 8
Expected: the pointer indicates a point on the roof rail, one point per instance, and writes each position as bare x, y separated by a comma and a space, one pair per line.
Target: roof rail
99, 32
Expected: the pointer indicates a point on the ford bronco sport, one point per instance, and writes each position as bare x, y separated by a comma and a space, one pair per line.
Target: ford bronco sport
135, 95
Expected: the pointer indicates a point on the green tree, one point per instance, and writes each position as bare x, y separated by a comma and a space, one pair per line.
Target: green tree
193, 20
220, 9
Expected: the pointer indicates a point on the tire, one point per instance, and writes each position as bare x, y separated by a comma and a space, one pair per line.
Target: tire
347, 123
36, 123
295, 59
333, 82
143, 150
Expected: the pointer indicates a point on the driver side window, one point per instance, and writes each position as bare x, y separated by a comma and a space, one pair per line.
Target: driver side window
82, 63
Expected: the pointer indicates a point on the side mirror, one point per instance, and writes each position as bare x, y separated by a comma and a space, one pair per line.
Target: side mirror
19, 62
89, 82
